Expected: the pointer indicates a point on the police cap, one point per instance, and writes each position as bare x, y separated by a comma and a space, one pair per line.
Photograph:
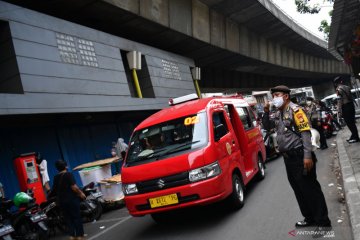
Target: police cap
338, 79
280, 88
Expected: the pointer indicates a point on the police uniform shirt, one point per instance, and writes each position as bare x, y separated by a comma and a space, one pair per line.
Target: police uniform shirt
345, 94
293, 129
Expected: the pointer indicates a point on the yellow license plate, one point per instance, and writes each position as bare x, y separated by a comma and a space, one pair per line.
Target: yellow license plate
164, 200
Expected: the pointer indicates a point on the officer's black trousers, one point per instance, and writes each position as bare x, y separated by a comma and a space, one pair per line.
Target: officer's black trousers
307, 190
348, 112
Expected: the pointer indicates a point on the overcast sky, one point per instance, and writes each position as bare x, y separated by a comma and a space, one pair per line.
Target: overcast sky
310, 21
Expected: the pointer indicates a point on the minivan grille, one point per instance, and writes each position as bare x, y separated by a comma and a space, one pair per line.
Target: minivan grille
163, 183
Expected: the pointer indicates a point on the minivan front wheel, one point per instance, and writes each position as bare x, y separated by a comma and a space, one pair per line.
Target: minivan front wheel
236, 198
261, 166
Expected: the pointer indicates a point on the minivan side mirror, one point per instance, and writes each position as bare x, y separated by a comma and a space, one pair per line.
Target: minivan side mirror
220, 130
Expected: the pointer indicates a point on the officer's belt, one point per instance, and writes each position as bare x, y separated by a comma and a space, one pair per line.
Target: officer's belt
293, 152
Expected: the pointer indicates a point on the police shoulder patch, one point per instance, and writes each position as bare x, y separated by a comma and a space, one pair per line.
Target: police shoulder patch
301, 121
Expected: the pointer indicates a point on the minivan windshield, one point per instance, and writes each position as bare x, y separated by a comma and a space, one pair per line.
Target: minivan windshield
168, 138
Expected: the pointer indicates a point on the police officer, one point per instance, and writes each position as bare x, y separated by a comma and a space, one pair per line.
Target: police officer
346, 108
294, 140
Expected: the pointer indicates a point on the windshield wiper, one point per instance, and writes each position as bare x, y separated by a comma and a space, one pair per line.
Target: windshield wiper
176, 149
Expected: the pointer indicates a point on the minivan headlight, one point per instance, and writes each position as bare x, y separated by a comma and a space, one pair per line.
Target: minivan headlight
130, 188
202, 173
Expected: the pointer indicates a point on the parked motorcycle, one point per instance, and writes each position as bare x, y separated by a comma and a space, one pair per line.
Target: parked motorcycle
5, 225
92, 207
271, 147
29, 221
327, 124
55, 216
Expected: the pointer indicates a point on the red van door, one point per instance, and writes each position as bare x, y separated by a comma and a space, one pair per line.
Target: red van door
224, 139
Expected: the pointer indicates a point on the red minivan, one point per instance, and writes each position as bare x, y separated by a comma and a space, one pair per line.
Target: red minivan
196, 152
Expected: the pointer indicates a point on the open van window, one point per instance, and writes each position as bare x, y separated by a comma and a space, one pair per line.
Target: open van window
245, 117
162, 140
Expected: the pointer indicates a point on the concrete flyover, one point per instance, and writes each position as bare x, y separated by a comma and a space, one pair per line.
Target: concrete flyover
245, 44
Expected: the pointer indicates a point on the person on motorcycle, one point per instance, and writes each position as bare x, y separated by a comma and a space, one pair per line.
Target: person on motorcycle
313, 113
68, 197
269, 127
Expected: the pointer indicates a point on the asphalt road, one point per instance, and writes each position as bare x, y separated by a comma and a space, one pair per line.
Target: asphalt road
270, 212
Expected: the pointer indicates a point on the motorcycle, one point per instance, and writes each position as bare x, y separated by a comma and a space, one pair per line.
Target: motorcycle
55, 216
271, 147
327, 124
92, 207
5, 225
29, 221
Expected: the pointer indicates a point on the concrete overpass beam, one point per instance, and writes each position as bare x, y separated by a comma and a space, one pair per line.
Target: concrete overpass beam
254, 45
201, 23
263, 49
302, 61
271, 52
244, 41
155, 10
129, 5
278, 54
291, 58
284, 56
180, 16
296, 60
217, 29
232, 36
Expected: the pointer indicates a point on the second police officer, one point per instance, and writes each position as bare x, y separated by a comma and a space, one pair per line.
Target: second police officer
294, 141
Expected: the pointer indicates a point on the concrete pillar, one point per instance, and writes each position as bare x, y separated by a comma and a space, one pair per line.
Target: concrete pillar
155, 10
129, 5
244, 41
232, 35
217, 29
201, 21
180, 16
263, 49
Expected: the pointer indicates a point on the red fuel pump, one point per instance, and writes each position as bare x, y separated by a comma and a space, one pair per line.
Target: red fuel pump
29, 176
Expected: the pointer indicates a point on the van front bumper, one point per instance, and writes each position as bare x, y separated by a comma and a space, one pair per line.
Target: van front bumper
198, 193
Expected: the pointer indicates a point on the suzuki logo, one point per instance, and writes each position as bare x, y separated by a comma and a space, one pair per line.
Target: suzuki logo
161, 183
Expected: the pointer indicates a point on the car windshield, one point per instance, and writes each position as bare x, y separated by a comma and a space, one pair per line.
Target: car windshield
167, 138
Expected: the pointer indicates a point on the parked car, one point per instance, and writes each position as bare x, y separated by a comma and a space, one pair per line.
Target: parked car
196, 152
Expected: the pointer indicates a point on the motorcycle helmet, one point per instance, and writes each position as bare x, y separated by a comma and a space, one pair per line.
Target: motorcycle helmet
22, 198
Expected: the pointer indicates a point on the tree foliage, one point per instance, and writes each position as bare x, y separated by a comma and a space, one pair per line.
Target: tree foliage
304, 7
325, 28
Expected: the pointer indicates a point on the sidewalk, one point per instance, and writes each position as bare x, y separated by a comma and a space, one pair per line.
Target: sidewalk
349, 157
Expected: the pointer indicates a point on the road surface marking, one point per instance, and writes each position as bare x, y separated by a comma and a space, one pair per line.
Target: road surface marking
109, 228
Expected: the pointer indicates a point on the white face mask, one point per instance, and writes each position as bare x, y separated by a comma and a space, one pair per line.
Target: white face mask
278, 101
308, 103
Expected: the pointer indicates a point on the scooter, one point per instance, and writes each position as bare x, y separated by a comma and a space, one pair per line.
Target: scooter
92, 207
271, 147
55, 216
29, 221
5, 225
326, 124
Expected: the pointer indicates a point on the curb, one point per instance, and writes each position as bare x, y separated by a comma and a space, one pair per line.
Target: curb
351, 187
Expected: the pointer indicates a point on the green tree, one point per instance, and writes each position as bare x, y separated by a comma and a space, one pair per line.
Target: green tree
325, 27
304, 7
